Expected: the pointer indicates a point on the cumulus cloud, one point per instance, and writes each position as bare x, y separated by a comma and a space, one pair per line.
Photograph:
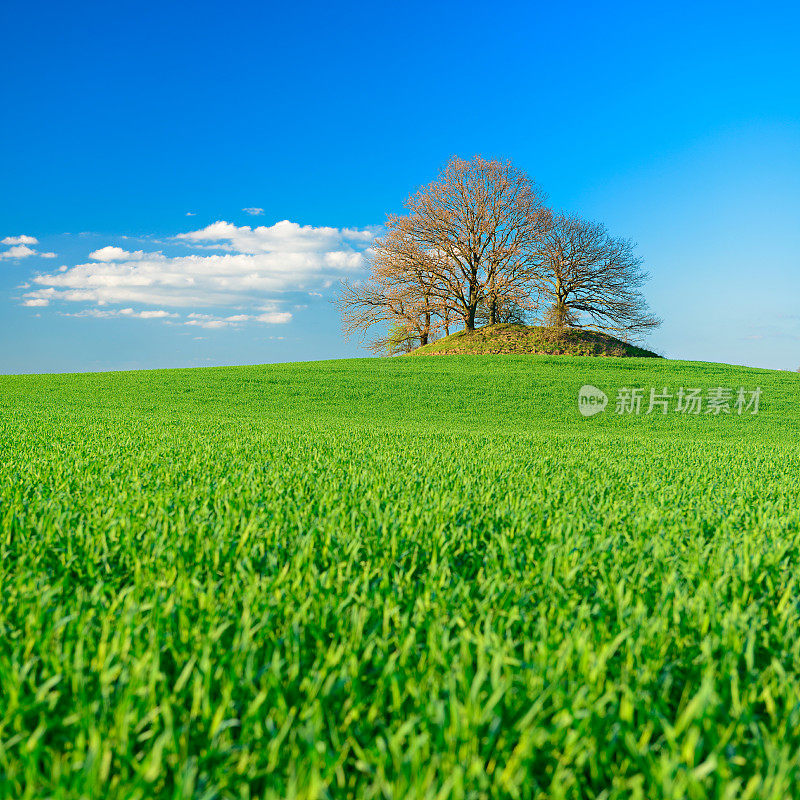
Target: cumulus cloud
19, 247
19, 240
253, 212
18, 251
282, 237
242, 269
117, 254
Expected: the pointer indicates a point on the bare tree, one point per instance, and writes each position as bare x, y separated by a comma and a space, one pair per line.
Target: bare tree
401, 340
364, 305
590, 279
478, 226
503, 311
399, 292
477, 244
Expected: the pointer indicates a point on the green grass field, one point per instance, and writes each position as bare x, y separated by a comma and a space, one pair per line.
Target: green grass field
398, 578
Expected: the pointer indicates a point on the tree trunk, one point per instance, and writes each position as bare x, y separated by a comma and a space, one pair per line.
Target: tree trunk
426, 330
470, 321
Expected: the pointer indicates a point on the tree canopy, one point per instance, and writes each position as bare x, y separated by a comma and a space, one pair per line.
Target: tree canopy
479, 245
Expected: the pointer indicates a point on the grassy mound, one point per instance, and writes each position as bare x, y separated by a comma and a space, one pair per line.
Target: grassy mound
535, 340
399, 578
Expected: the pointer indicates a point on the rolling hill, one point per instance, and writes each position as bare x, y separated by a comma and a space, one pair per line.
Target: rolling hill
410, 577
534, 340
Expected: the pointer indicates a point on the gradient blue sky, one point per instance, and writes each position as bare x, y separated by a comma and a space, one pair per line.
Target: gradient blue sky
676, 124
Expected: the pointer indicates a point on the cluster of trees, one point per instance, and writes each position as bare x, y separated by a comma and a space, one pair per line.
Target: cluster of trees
479, 246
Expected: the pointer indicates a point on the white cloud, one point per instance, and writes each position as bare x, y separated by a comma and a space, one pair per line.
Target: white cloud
211, 321
123, 312
274, 317
18, 251
19, 240
255, 268
253, 212
191, 214
208, 323
117, 254
18, 247
154, 313
282, 237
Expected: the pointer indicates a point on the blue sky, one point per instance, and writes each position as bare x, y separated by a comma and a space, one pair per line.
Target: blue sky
141, 126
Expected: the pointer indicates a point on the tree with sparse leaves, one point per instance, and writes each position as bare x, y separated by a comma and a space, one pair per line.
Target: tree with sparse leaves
478, 246
465, 250
398, 293
479, 224
587, 278
505, 312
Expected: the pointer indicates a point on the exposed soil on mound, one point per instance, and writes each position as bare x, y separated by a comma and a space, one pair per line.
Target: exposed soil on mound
534, 340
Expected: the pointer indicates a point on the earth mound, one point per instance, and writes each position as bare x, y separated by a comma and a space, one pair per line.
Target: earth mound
533, 340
